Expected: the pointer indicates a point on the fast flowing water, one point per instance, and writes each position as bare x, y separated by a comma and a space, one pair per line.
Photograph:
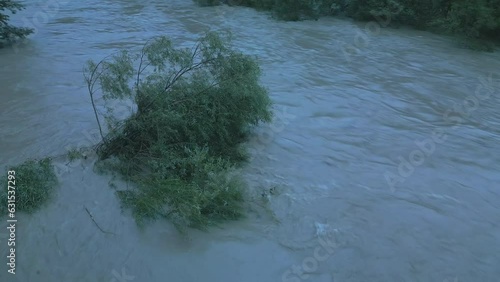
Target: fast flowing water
378, 175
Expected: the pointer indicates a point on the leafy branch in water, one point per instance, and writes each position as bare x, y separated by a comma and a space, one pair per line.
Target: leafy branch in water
194, 109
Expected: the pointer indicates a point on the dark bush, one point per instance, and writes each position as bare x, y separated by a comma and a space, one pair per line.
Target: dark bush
33, 182
475, 19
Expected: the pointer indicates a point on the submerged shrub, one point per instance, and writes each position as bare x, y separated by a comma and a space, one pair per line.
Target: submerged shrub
34, 181
195, 107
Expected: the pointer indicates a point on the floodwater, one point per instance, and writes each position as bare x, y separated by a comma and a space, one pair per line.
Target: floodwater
378, 176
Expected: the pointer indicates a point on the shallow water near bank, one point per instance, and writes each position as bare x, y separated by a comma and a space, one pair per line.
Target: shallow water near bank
344, 122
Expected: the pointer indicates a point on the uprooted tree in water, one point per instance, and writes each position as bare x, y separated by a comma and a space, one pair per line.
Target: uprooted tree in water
193, 110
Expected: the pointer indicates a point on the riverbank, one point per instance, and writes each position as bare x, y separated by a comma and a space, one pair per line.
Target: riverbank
475, 24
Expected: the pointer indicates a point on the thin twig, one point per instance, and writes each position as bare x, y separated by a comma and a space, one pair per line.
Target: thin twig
92, 217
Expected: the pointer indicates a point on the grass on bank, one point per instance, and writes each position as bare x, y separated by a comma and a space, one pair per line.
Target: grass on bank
34, 183
181, 148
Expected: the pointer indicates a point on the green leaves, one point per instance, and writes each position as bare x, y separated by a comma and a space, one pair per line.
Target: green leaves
10, 5
10, 33
194, 109
116, 76
474, 18
34, 182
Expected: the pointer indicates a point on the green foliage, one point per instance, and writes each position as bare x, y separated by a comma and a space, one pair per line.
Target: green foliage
10, 33
34, 183
472, 19
209, 194
475, 19
75, 154
195, 107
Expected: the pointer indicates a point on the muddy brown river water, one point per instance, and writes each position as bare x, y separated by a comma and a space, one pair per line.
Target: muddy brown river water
385, 158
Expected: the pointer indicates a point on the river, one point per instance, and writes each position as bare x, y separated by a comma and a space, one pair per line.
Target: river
377, 177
